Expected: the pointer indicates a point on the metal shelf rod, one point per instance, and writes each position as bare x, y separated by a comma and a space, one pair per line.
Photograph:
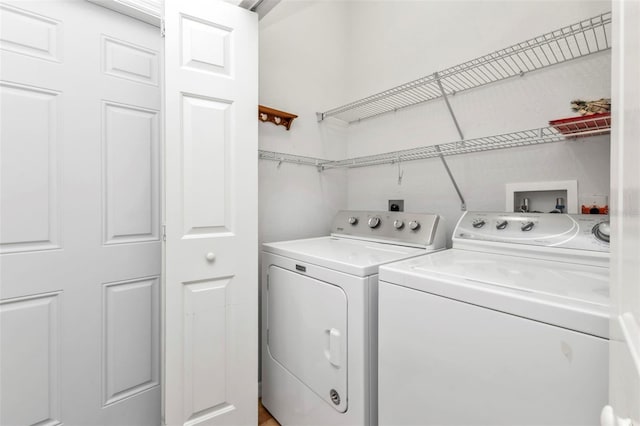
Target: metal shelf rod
281, 157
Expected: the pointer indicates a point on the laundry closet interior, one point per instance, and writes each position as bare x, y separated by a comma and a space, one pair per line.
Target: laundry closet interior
144, 171
357, 146
352, 50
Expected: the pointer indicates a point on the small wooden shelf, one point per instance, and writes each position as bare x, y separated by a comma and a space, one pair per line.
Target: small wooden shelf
279, 118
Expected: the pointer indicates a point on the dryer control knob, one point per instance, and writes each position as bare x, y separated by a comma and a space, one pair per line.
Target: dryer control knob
353, 220
501, 224
478, 223
527, 226
398, 224
602, 231
414, 225
374, 222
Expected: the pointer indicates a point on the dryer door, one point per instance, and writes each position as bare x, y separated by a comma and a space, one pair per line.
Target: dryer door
307, 332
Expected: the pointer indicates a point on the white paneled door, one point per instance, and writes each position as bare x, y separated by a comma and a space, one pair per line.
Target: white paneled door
211, 275
79, 216
624, 389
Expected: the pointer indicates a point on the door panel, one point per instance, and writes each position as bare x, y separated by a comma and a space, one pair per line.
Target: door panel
132, 359
32, 373
205, 152
307, 332
131, 180
29, 176
80, 218
624, 369
211, 275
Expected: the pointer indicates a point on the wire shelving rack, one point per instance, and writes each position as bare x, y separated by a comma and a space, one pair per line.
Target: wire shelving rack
574, 41
587, 126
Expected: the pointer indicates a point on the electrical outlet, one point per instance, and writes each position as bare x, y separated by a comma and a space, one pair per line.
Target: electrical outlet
396, 205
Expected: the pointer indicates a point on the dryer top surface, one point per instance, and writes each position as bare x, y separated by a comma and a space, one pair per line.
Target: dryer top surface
351, 256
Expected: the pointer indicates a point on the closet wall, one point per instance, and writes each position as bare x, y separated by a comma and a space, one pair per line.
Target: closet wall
316, 55
302, 68
391, 43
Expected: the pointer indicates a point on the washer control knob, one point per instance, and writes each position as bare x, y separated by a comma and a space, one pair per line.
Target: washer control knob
478, 223
374, 222
527, 226
398, 224
602, 231
501, 224
353, 220
414, 225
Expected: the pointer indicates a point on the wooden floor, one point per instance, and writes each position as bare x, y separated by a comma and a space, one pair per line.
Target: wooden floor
264, 417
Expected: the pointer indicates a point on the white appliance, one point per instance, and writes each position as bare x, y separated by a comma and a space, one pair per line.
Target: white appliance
319, 315
509, 327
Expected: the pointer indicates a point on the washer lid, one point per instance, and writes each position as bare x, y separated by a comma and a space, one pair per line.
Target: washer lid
355, 257
564, 294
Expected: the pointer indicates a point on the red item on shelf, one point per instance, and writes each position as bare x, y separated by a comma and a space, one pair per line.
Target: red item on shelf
594, 209
587, 123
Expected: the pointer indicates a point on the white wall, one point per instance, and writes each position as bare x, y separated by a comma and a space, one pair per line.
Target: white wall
394, 42
302, 67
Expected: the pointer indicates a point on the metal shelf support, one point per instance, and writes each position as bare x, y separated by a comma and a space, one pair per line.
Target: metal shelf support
463, 204
446, 101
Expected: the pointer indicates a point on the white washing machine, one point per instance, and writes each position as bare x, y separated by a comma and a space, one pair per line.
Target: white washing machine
319, 315
509, 327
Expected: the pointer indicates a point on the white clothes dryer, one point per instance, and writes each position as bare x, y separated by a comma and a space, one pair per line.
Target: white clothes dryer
509, 327
319, 315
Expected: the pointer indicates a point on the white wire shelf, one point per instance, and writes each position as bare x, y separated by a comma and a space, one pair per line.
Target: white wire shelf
281, 157
586, 126
568, 43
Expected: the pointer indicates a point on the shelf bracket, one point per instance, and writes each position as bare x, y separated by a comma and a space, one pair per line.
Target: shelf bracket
446, 101
463, 204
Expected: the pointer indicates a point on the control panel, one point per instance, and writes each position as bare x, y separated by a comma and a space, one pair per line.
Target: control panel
573, 231
415, 229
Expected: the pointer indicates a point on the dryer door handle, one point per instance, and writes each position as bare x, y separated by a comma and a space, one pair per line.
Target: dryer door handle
332, 352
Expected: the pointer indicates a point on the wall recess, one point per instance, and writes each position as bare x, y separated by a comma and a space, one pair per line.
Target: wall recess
542, 195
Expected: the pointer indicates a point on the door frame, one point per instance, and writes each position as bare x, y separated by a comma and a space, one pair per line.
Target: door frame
142, 10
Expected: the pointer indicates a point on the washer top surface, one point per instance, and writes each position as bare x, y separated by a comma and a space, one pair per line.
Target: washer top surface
351, 256
571, 295
572, 238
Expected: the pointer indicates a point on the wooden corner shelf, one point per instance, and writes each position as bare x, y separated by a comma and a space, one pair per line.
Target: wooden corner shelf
279, 118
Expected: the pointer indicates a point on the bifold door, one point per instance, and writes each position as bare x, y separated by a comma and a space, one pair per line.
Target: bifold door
211, 140
307, 332
80, 216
